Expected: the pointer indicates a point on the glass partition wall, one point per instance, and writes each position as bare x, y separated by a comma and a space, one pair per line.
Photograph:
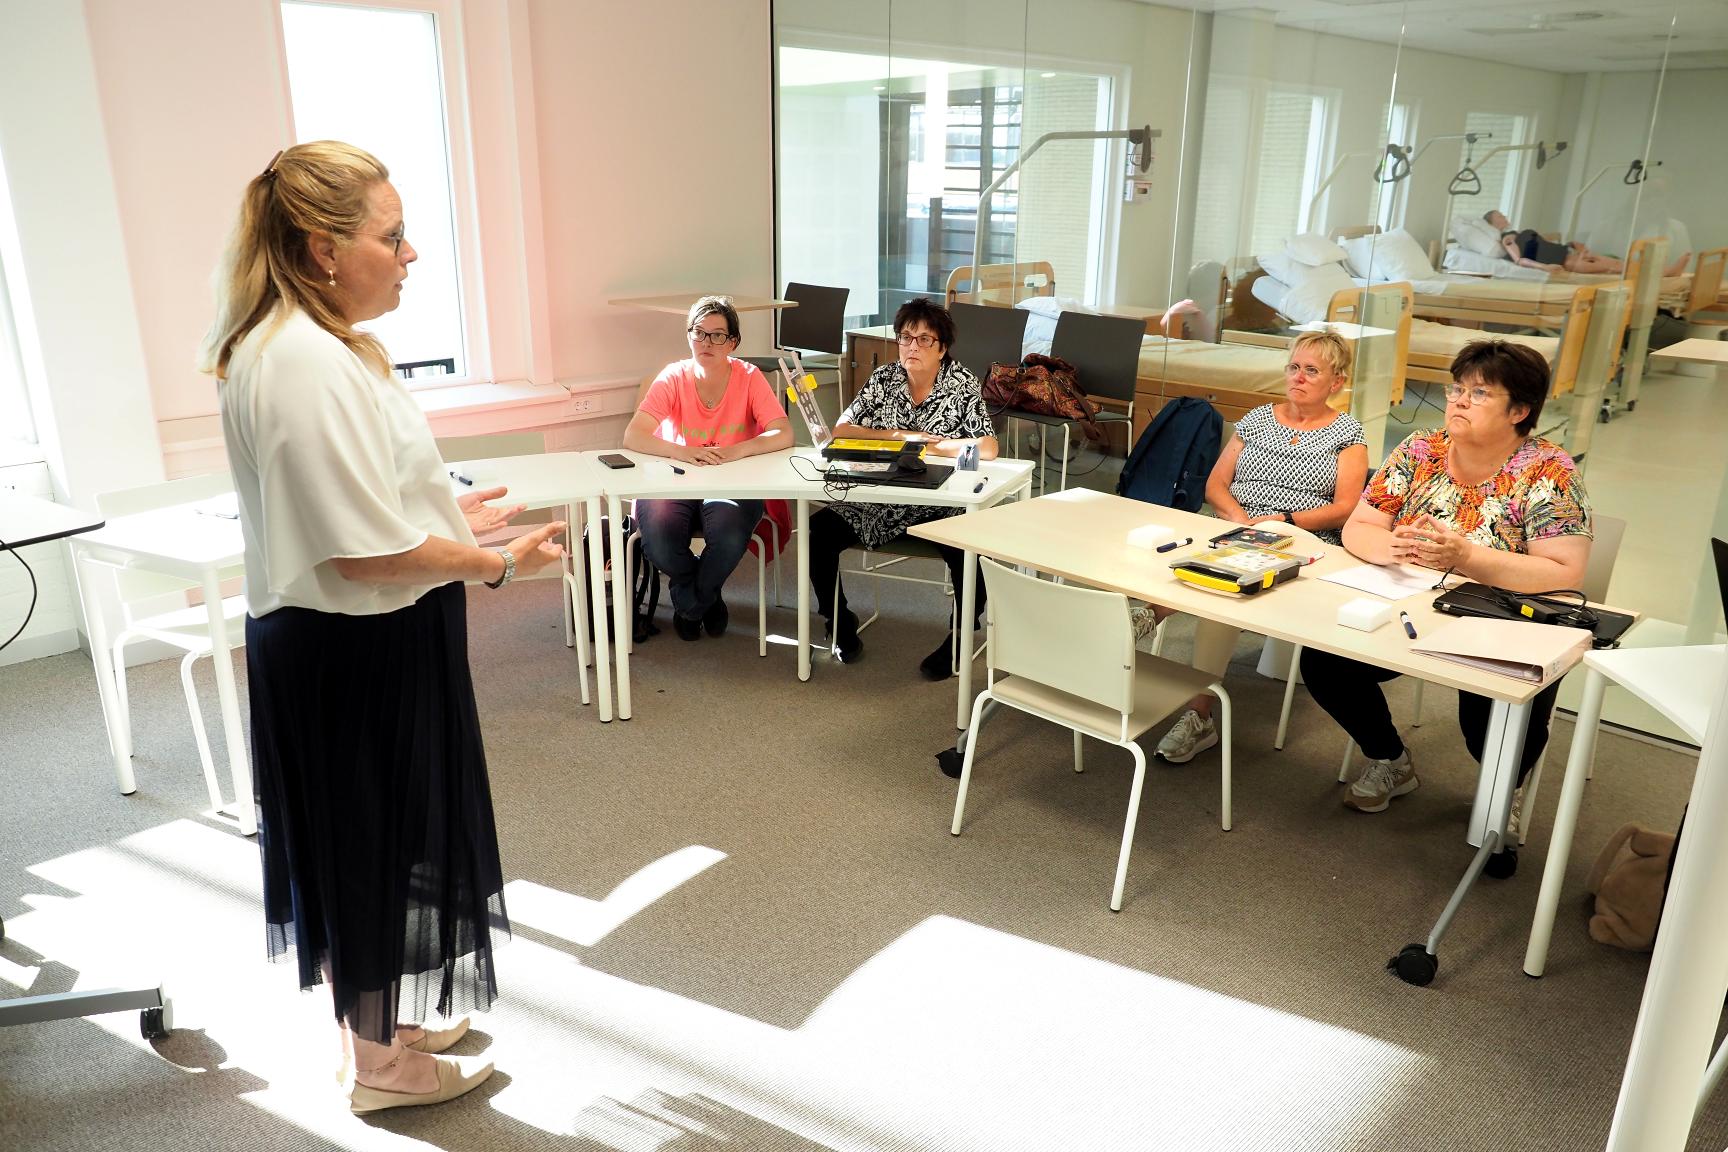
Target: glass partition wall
1274, 139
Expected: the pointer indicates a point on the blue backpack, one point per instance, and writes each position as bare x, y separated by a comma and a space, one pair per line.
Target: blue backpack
1174, 456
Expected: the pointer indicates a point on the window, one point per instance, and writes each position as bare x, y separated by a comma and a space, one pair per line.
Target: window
1503, 176
1392, 198
1291, 153
375, 77
882, 161
1264, 153
16, 426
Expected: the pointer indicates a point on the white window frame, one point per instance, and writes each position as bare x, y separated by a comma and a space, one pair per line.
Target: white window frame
25, 448
1322, 149
1401, 128
465, 217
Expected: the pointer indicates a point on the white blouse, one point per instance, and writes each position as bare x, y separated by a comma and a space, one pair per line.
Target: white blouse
330, 460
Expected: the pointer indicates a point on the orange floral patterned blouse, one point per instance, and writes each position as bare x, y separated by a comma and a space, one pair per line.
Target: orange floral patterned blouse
1536, 495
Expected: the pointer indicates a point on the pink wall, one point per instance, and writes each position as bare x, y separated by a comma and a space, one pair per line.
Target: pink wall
638, 199
195, 105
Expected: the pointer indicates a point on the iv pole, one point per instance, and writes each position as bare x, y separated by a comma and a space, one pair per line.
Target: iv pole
1139, 154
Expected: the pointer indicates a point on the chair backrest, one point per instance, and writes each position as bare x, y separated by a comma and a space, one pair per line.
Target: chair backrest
135, 585
984, 336
1076, 640
1207, 287
1104, 349
1604, 550
818, 324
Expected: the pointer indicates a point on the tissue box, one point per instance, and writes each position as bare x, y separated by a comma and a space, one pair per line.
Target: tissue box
1149, 536
1364, 614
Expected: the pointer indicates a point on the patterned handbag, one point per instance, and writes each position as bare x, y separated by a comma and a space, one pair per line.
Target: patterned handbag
1046, 385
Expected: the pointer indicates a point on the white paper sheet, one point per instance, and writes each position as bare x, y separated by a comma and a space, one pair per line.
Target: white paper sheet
1387, 581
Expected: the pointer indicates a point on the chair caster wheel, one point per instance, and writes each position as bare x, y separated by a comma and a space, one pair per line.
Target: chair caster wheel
951, 761
156, 1023
1415, 965
1502, 864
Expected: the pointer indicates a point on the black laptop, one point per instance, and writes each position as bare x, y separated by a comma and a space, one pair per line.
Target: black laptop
906, 472
1473, 599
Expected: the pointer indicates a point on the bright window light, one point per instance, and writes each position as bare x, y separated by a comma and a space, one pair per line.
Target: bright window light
16, 426
372, 77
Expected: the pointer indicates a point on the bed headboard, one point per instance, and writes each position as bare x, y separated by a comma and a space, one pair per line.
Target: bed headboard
1002, 285
1380, 306
1707, 281
1351, 231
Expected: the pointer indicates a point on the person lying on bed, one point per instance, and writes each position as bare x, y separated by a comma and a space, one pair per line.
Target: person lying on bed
1293, 462
1528, 249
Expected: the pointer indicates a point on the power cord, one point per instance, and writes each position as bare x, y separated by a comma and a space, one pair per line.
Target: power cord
31, 610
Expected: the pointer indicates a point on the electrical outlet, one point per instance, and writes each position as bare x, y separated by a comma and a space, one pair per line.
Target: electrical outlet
581, 404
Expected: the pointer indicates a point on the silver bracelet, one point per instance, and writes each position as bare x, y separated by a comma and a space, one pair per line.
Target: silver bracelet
509, 569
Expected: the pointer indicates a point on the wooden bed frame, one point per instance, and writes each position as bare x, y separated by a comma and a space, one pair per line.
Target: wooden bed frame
1706, 303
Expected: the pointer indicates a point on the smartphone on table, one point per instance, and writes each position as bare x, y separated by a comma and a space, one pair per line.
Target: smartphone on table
614, 460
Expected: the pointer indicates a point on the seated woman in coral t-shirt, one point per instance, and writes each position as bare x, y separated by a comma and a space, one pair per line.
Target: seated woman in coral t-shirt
705, 410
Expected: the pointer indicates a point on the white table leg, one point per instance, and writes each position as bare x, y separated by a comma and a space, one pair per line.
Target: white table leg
1565, 822
239, 760
597, 601
102, 660
968, 609
1502, 747
1688, 971
622, 625
803, 534
575, 602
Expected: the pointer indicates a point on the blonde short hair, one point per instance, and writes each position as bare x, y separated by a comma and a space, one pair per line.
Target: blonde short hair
1329, 347
322, 186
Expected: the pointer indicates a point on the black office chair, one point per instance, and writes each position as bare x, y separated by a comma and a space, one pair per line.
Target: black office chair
817, 325
984, 336
1105, 352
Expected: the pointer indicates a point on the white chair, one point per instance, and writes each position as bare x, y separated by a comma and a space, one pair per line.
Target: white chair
1066, 654
871, 563
187, 629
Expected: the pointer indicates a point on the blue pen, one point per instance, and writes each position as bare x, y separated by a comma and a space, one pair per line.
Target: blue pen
677, 469
461, 479
978, 487
1409, 628
1175, 544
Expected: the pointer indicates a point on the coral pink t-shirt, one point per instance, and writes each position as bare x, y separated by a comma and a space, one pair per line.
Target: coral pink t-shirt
744, 412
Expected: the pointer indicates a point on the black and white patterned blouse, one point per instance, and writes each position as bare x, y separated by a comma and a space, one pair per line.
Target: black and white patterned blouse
1284, 469
953, 410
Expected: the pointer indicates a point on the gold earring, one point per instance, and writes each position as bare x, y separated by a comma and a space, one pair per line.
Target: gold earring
332, 277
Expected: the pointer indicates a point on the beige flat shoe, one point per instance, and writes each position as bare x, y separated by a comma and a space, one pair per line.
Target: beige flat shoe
440, 1040
455, 1078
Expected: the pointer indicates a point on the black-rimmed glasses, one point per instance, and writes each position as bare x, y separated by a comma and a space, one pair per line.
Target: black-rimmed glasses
701, 336
923, 340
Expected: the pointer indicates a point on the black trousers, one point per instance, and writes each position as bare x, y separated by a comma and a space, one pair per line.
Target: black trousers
1349, 691
831, 534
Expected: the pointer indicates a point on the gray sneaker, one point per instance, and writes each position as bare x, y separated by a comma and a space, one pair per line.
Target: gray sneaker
1515, 821
1191, 735
1380, 781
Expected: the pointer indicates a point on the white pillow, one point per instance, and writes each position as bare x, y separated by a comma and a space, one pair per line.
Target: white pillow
1395, 255
1314, 250
1281, 267
1358, 253
1307, 301
1477, 236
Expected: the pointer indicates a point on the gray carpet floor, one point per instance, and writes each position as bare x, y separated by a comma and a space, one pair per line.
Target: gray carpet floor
741, 923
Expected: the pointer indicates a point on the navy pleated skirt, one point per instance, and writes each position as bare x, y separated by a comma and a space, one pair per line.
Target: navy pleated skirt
381, 869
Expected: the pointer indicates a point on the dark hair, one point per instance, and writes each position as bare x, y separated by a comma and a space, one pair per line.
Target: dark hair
922, 309
1516, 368
720, 306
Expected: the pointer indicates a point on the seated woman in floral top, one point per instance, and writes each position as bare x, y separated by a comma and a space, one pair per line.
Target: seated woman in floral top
1479, 498
926, 397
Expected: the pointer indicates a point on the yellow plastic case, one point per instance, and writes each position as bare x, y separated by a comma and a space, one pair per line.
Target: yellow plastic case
1237, 569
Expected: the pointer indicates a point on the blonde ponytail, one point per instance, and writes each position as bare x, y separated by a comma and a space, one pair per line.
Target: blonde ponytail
322, 186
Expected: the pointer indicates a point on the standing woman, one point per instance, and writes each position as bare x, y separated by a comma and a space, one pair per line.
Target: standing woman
375, 814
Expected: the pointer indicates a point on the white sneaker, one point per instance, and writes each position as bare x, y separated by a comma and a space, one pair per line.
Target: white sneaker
1191, 735
1515, 820
1380, 781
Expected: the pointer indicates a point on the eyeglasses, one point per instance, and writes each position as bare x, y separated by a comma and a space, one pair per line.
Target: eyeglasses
1478, 395
1311, 371
924, 340
702, 336
395, 239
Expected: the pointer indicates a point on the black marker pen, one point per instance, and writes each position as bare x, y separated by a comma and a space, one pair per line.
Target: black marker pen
1175, 544
461, 479
978, 487
1409, 628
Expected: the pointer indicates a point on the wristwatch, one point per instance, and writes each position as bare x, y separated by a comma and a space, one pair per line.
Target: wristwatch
509, 569
1288, 519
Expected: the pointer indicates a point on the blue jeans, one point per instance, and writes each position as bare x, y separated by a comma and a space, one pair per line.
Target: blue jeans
667, 529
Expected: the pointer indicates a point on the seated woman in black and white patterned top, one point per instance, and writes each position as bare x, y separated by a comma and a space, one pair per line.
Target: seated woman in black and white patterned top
926, 397
1294, 462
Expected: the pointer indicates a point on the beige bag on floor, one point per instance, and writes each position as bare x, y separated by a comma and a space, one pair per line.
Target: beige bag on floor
1627, 881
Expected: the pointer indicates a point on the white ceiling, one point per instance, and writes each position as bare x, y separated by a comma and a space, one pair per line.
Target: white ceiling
1615, 35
